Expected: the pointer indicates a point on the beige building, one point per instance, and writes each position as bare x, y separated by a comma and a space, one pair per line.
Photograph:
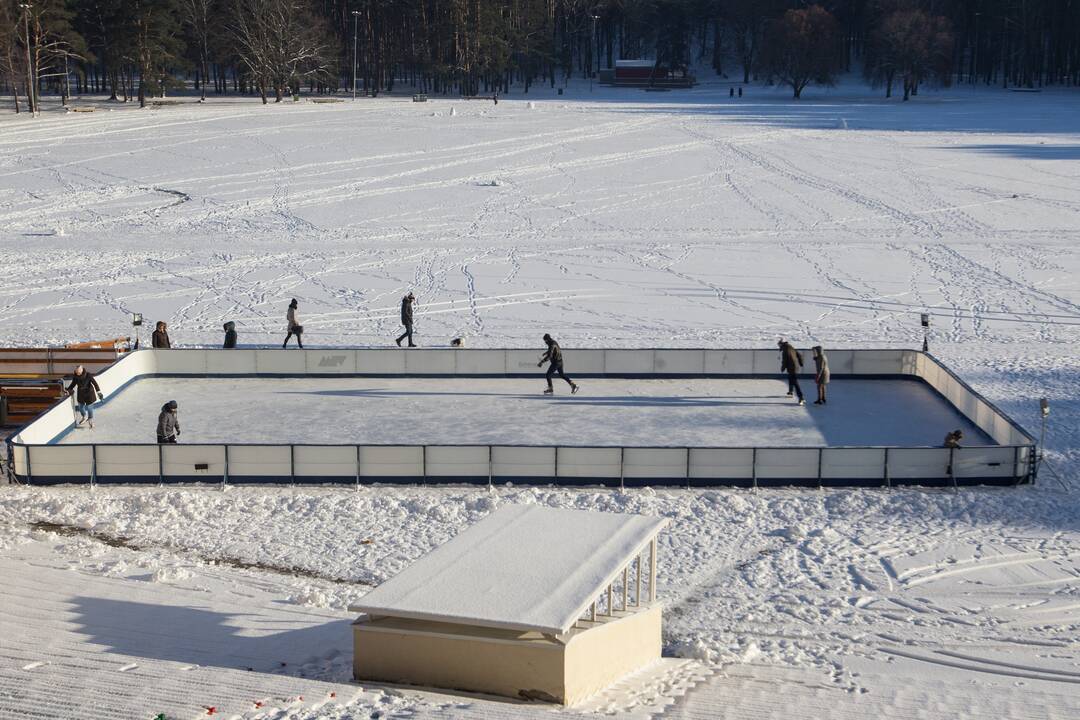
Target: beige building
530, 602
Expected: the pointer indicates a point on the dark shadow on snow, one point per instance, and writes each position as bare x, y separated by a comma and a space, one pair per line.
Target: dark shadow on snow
196, 635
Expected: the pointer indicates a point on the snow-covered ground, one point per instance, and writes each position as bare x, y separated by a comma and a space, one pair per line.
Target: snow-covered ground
627, 220
700, 413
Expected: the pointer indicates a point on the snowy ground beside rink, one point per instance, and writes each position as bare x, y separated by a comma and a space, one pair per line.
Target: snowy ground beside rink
627, 220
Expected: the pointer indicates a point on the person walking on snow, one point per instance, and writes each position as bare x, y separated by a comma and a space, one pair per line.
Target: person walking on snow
821, 374
295, 328
168, 427
87, 393
230, 336
554, 356
160, 337
790, 362
406, 319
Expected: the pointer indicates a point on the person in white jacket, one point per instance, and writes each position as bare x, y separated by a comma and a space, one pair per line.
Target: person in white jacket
295, 328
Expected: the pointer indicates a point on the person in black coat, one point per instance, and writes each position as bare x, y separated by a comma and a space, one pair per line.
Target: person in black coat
292, 319
230, 335
791, 362
87, 392
406, 319
160, 338
168, 426
554, 356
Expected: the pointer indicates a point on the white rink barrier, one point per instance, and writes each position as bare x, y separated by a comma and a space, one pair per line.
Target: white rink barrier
36, 460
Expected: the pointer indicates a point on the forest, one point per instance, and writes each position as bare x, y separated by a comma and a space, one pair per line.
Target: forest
133, 50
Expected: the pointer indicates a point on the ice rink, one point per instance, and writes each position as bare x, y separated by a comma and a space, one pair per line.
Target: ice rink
411, 411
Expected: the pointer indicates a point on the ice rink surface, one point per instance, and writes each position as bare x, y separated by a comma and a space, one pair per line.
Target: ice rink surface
413, 411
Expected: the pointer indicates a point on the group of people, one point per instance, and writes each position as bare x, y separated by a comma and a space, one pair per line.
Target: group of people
87, 391
160, 338
791, 362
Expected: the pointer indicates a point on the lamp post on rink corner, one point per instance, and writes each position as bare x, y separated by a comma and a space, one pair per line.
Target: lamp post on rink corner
355, 19
1044, 411
136, 322
925, 319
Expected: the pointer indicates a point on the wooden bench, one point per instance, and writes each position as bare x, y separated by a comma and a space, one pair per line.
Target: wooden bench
24, 401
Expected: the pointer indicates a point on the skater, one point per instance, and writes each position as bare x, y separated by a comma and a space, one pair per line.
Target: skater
87, 393
406, 319
160, 338
495, 97
790, 362
731, 92
740, 91
952, 440
295, 328
168, 427
821, 374
554, 356
230, 336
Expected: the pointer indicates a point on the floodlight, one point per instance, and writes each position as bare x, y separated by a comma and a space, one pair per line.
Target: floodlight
1044, 405
925, 320
136, 319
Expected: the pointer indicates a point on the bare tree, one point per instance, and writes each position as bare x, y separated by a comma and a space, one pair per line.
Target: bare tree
197, 16
281, 43
12, 69
913, 44
801, 47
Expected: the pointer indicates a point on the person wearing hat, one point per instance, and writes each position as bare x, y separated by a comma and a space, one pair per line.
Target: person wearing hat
160, 337
821, 374
295, 328
790, 363
554, 356
87, 392
406, 319
168, 427
230, 335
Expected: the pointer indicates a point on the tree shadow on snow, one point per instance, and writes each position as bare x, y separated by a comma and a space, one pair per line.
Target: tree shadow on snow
200, 636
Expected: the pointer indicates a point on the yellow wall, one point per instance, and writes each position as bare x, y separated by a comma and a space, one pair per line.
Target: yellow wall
503, 662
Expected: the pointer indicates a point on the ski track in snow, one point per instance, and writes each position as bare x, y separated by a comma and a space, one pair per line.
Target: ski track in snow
620, 223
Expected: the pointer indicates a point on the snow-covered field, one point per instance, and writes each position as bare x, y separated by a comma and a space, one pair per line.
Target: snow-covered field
627, 220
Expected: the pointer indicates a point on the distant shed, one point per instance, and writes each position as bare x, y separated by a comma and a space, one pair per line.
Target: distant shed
530, 602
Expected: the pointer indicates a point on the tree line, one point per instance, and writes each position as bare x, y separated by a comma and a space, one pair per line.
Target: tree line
138, 49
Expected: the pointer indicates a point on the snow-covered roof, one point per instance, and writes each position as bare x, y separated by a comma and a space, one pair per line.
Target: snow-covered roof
523, 567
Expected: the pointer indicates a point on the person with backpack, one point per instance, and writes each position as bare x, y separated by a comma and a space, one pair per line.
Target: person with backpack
168, 426
791, 361
160, 337
87, 392
554, 356
230, 335
407, 319
821, 374
292, 317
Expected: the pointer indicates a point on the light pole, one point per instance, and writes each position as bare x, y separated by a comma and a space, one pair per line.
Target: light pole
31, 91
67, 80
355, 19
595, 42
975, 54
